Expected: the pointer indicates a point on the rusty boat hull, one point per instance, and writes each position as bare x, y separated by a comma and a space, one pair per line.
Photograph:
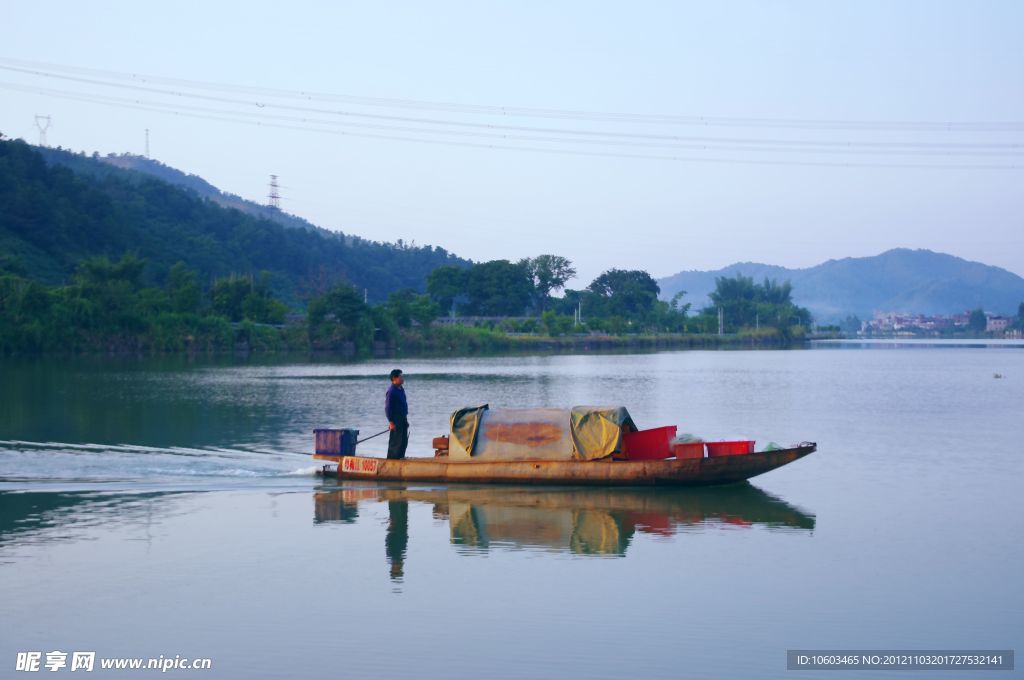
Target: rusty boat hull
667, 472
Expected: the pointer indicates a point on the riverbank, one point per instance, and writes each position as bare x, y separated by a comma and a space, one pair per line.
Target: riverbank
249, 338
460, 339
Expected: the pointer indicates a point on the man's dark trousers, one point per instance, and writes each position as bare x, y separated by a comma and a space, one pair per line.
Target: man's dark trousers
398, 440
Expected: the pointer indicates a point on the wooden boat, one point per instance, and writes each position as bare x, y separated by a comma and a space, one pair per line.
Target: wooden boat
607, 471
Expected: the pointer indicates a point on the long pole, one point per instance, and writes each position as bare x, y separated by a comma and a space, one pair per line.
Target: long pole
360, 441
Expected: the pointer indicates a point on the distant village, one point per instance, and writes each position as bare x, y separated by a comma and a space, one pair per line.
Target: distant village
917, 325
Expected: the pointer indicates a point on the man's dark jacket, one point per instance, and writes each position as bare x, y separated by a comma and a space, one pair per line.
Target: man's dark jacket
396, 408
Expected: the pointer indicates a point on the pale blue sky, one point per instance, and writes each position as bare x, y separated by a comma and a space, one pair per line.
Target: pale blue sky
835, 61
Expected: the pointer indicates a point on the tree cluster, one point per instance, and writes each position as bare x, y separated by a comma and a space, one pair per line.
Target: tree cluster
341, 319
624, 301
107, 305
746, 306
618, 301
500, 287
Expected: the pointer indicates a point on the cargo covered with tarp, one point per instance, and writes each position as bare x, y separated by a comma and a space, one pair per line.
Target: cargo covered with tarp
577, 433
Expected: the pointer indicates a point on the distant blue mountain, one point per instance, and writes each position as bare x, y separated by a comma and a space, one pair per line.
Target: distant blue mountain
899, 280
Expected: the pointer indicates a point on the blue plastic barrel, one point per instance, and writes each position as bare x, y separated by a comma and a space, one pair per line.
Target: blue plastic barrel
335, 442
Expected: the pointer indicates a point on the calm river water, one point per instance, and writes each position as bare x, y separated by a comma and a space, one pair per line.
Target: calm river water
164, 507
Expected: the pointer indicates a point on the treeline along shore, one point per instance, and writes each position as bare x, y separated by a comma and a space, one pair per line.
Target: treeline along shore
109, 306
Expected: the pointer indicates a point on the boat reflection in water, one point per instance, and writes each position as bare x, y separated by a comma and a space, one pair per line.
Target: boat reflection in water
397, 538
581, 521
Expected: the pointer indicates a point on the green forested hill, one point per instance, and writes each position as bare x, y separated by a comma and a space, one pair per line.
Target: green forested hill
58, 210
137, 168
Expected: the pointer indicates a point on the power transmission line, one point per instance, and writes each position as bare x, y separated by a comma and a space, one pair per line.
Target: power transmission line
555, 136
54, 71
585, 136
51, 70
933, 150
533, 149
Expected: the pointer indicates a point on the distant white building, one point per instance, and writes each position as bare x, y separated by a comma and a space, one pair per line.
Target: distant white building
996, 324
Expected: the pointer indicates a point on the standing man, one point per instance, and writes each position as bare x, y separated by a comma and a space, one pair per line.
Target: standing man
396, 408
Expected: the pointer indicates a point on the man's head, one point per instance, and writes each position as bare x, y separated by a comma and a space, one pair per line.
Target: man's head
396, 377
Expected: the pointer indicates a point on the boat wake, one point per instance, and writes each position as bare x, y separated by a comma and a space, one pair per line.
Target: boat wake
303, 472
25, 464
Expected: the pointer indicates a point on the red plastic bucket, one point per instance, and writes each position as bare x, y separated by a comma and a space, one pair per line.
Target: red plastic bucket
653, 444
688, 450
740, 448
